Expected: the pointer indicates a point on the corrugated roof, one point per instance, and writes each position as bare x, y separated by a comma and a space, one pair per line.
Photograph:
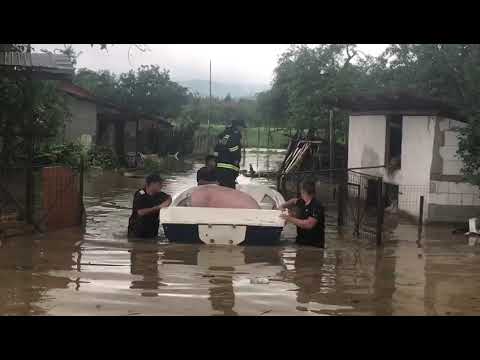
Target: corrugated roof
46, 65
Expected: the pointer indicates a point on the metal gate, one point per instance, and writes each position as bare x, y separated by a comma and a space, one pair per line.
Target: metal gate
364, 204
352, 200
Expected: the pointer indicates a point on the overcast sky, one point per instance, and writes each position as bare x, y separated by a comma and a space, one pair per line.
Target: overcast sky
237, 63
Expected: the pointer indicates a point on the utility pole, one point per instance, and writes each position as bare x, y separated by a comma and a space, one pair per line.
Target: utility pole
209, 109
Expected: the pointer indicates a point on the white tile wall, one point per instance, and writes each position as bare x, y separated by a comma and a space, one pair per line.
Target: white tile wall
467, 199
441, 199
454, 199
452, 167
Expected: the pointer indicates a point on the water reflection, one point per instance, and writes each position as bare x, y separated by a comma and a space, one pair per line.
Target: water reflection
144, 261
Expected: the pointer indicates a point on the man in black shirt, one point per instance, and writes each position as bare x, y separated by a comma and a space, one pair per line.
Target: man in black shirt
147, 202
208, 174
310, 221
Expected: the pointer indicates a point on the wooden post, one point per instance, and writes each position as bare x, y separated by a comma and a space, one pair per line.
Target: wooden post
357, 220
341, 199
81, 183
258, 146
331, 145
380, 210
331, 141
137, 135
420, 218
28, 121
244, 148
209, 109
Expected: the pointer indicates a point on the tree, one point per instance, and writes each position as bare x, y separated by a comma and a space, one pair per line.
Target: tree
449, 72
308, 80
147, 90
48, 107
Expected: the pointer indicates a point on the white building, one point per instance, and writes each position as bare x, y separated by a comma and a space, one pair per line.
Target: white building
417, 141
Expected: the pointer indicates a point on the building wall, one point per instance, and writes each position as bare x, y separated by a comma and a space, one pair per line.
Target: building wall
451, 198
83, 122
366, 142
366, 147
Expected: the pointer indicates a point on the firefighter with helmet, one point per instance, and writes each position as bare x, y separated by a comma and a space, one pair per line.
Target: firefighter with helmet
229, 152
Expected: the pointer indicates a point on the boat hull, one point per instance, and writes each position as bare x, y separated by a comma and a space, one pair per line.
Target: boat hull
254, 235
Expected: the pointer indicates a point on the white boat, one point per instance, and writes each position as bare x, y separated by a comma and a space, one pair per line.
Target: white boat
223, 226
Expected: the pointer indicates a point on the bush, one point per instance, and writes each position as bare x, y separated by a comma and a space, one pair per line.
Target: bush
102, 157
59, 154
151, 166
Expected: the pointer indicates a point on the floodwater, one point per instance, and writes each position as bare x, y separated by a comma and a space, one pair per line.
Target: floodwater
98, 272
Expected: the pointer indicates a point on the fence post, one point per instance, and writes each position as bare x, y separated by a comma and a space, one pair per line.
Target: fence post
420, 218
341, 200
380, 210
81, 181
356, 231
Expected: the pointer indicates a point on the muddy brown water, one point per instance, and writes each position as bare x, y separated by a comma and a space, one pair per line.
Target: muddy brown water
98, 272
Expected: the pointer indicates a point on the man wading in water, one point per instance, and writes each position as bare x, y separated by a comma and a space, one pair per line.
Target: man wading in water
311, 220
147, 202
208, 174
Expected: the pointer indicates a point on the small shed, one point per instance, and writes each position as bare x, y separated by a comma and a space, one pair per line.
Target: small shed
416, 140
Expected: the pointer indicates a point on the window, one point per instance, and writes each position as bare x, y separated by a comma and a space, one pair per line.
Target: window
393, 155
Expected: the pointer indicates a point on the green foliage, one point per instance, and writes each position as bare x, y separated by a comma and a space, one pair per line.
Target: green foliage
307, 82
152, 165
221, 111
103, 157
59, 154
147, 90
49, 112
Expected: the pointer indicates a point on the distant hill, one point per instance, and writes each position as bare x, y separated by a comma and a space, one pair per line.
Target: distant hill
220, 89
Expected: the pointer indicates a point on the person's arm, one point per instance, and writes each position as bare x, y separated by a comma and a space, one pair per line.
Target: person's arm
155, 209
148, 211
306, 224
287, 205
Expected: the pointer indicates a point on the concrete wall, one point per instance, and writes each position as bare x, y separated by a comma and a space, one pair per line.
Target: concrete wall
83, 122
366, 142
366, 147
450, 199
